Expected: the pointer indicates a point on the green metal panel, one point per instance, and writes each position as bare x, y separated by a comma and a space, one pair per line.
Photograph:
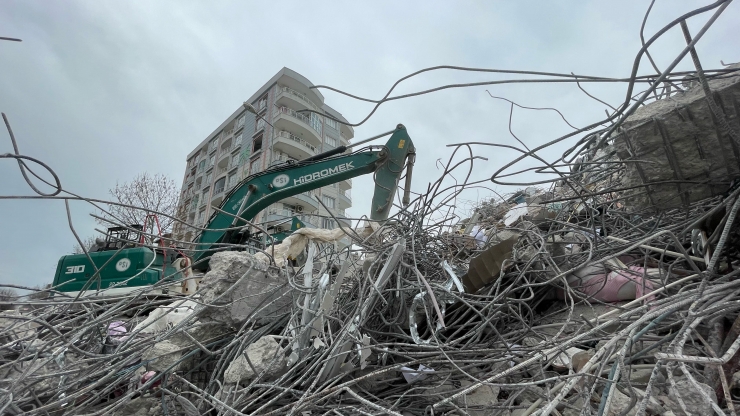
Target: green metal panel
74, 271
296, 224
276, 184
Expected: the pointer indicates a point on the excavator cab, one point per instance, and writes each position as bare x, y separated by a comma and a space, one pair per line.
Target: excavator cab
119, 237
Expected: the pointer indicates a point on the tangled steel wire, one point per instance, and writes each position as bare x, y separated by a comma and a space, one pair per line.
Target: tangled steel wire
390, 325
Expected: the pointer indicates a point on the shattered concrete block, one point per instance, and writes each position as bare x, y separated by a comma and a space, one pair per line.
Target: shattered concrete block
695, 403
476, 403
12, 329
140, 407
578, 404
265, 354
237, 285
201, 331
621, 402
43, 375
580, 359
735, 383
519, 412
480, 400
378, 381
530, 394
564, 359
679, 142
162, 355
485, 267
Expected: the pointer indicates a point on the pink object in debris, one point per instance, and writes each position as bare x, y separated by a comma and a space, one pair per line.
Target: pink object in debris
148, 376
117, 333
626, 284
117, 329
616, 286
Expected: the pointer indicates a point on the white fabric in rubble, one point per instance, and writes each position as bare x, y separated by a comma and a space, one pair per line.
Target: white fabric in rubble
295, 243
478, 233
166, 317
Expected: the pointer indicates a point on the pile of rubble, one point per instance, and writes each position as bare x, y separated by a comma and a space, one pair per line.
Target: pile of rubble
605, 294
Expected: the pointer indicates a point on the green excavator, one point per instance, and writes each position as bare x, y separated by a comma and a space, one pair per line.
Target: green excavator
122, 263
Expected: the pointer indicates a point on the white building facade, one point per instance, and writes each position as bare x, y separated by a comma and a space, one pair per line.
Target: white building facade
246, 143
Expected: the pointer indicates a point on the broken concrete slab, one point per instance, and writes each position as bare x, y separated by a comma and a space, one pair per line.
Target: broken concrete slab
485, 267
677, 144
238, 285
480, 401
266, 355
162, 355
140, 406
692, 398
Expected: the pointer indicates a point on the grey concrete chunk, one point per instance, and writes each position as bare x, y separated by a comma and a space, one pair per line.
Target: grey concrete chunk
237, 285
162, 355
692, 398
265, 354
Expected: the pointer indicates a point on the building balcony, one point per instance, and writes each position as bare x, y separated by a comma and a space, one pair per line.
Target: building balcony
305, 199
283, 216
223, 151
344, 199
277, 216
345, 222
287, 142
218, 195
281, 158
233, 164
285, 118
235, 146
288, 93
232, 183
345, 185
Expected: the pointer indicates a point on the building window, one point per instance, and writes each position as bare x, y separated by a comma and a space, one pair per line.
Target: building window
262, 104
201, 217
232, 181
330, 141
328, 201
257, 144
212, 161
254, 167
260, 124
327, 223
208, 179
237, 140
331, 123
219, 186
316, 122
240, 121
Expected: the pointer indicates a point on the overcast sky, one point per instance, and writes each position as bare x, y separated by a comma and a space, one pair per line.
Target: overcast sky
102, 90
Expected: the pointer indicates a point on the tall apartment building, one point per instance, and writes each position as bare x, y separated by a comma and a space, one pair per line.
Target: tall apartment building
245, 144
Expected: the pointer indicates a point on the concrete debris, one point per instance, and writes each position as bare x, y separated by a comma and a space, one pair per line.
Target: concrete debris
162, 356
264, 356
613, 290
140, 407
671, 145
237, 287
696, 402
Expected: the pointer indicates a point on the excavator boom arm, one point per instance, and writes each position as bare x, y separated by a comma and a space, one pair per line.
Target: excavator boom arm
258, 191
